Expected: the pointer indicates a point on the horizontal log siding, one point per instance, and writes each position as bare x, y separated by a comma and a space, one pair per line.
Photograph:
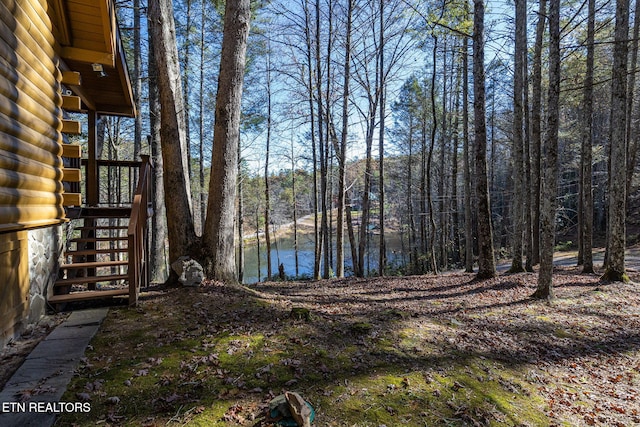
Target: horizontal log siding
30, 118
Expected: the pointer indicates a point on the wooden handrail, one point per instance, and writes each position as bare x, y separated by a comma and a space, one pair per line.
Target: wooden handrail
106, 162
137, 231
128, 170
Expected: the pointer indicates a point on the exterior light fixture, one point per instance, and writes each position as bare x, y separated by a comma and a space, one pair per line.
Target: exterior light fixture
99, 70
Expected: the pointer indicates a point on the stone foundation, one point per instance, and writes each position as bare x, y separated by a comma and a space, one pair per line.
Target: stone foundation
45, 247
29, 263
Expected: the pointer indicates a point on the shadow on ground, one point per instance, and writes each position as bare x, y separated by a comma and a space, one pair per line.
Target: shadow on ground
428, 350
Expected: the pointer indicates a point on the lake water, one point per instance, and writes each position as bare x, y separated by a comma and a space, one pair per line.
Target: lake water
282, 252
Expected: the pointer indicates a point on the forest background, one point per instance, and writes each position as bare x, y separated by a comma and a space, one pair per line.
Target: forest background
388, 117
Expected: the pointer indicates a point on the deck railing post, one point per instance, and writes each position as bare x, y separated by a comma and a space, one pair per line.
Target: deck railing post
92, 184
137, 232
144, 256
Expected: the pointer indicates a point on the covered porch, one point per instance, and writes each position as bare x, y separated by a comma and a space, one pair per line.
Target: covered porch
105, 243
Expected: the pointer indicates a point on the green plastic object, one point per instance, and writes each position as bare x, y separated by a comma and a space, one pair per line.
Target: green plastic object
288, 421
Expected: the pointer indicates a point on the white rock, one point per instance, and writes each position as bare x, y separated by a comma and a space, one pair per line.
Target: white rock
189, 271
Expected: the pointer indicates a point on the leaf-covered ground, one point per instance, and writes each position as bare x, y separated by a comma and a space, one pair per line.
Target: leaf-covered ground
16, 351
417, 351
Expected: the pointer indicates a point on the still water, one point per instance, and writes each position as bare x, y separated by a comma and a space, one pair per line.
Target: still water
283, 252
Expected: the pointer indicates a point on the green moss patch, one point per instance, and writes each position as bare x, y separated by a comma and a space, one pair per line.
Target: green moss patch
216, 356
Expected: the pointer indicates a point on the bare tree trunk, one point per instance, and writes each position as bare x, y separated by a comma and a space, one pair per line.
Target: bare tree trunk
310, 84
258, 239
632, 131
587, 141
413, 238
240, 221
617, 179
328, 163
341, 150
455, 219
180, 226
382, 254
218, 235
424, 244
324, 226
267, 201
330, 198
468, 223
187, 91
203, 195
536, 130
366, 201
528, 209
550, 176
486, 258
158, 231
517, 152
295, 209
137, 76
370, 119
352, 236
434, 129
442, 217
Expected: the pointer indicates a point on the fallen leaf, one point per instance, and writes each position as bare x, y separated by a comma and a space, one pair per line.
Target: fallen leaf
83, 397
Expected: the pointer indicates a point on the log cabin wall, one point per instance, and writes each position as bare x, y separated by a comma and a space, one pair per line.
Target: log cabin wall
31, 199
48, 47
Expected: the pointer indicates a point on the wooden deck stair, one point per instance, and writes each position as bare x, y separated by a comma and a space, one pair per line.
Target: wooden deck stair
84, 265
106, 254
96, 263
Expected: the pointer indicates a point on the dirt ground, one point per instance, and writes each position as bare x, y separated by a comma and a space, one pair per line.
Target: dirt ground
585, 345
14, 353
419, 351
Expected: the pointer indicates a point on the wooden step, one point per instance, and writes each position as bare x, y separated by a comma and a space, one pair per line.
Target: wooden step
83, 252
97, 212
105, 212
90, 279
98, 239
102, 227
87, 295
79, 265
